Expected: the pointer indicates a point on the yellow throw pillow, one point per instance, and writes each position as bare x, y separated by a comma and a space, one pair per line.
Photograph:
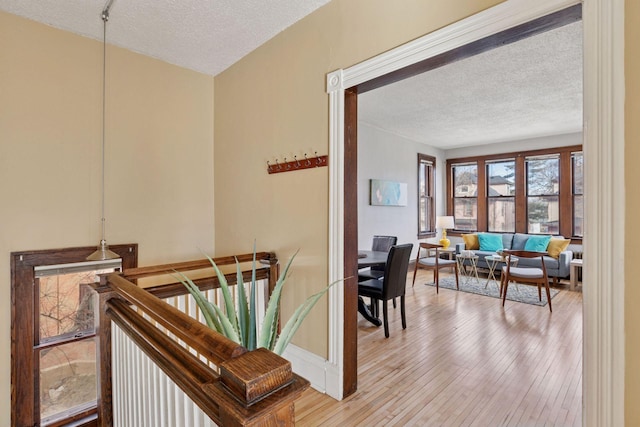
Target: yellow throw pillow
556, 246
471, 241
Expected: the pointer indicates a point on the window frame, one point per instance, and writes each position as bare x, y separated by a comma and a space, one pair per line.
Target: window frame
429, 196
501, 196
554, 196
476, 198
565, 196
25, 400
575, 194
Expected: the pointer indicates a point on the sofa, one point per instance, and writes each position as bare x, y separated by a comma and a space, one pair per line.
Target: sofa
557, 260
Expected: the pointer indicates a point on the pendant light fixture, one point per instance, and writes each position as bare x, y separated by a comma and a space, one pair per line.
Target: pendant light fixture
103, 252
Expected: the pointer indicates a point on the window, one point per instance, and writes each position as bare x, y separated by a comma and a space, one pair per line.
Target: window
65, 346
53, 364
537, 192
577, 192
426, 203
501, 201
543, 188
465, 196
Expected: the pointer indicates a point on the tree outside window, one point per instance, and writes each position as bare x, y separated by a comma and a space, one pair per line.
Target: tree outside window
543, 188
577, 160
465, 200
501, 205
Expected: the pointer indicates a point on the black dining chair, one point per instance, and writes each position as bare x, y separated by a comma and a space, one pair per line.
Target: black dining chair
391, 285
380, 244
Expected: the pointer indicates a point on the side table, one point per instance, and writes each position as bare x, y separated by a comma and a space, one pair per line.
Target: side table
573, 273
465, 261
449, 252
494, 261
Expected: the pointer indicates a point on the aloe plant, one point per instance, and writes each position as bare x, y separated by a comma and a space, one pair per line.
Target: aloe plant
240, 325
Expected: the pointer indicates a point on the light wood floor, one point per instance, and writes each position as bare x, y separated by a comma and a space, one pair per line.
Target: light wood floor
463, 361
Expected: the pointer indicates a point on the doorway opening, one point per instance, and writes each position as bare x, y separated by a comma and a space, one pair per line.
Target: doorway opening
604, 79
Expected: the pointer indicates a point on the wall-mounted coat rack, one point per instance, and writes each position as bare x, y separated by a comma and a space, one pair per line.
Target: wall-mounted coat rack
297, 164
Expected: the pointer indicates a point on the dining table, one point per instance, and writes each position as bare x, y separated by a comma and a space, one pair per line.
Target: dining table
371, 258
368, 258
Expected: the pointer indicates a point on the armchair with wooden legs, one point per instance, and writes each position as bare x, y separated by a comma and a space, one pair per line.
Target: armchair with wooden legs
533, 275
434, 263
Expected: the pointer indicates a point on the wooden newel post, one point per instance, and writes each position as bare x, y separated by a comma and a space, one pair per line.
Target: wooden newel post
274, 270
103, 356
261, 389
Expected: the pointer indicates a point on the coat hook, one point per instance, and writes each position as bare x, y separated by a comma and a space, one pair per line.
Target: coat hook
297, 161
307, 161
318, 161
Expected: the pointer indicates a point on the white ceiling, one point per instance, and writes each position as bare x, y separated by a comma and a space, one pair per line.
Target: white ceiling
528, 89
203, 35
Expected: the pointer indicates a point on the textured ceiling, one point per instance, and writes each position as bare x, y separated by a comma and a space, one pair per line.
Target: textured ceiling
204, 35
531, 88
526, 89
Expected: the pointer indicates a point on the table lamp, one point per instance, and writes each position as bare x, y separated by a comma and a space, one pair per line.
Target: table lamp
444, 222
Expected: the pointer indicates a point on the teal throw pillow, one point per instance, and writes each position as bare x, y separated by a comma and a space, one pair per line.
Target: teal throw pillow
537, 243
490, 242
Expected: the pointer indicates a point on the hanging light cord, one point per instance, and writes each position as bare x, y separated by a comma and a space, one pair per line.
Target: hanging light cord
103, 252
105, 18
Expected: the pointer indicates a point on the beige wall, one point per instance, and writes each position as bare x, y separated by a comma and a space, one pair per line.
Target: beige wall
273, 104
159, 143
632, 225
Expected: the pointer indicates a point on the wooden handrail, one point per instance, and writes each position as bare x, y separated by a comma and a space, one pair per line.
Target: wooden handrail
155, 270
216, 348
251, 387
177, 288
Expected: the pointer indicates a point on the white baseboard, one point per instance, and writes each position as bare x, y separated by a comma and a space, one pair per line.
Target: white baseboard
323, 376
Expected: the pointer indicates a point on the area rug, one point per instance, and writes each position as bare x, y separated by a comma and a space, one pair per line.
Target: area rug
527, 294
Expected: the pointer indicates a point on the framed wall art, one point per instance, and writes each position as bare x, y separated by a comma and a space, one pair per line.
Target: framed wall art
388, 193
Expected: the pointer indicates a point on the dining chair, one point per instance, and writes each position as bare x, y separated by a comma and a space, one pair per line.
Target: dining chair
380, 244
392, 284
434, 263
521, 274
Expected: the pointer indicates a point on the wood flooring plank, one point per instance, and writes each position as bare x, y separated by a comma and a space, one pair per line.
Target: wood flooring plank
463, 360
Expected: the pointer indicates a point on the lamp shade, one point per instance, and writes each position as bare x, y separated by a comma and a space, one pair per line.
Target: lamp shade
445, 222
102, 253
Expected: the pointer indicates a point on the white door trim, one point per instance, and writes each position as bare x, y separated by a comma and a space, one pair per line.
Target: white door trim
603, 366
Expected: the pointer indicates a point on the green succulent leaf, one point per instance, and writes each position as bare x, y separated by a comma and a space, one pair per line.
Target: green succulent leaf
252, 344
243, 309
268, 330
227, 327
292, 325
205, 306
231, 314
